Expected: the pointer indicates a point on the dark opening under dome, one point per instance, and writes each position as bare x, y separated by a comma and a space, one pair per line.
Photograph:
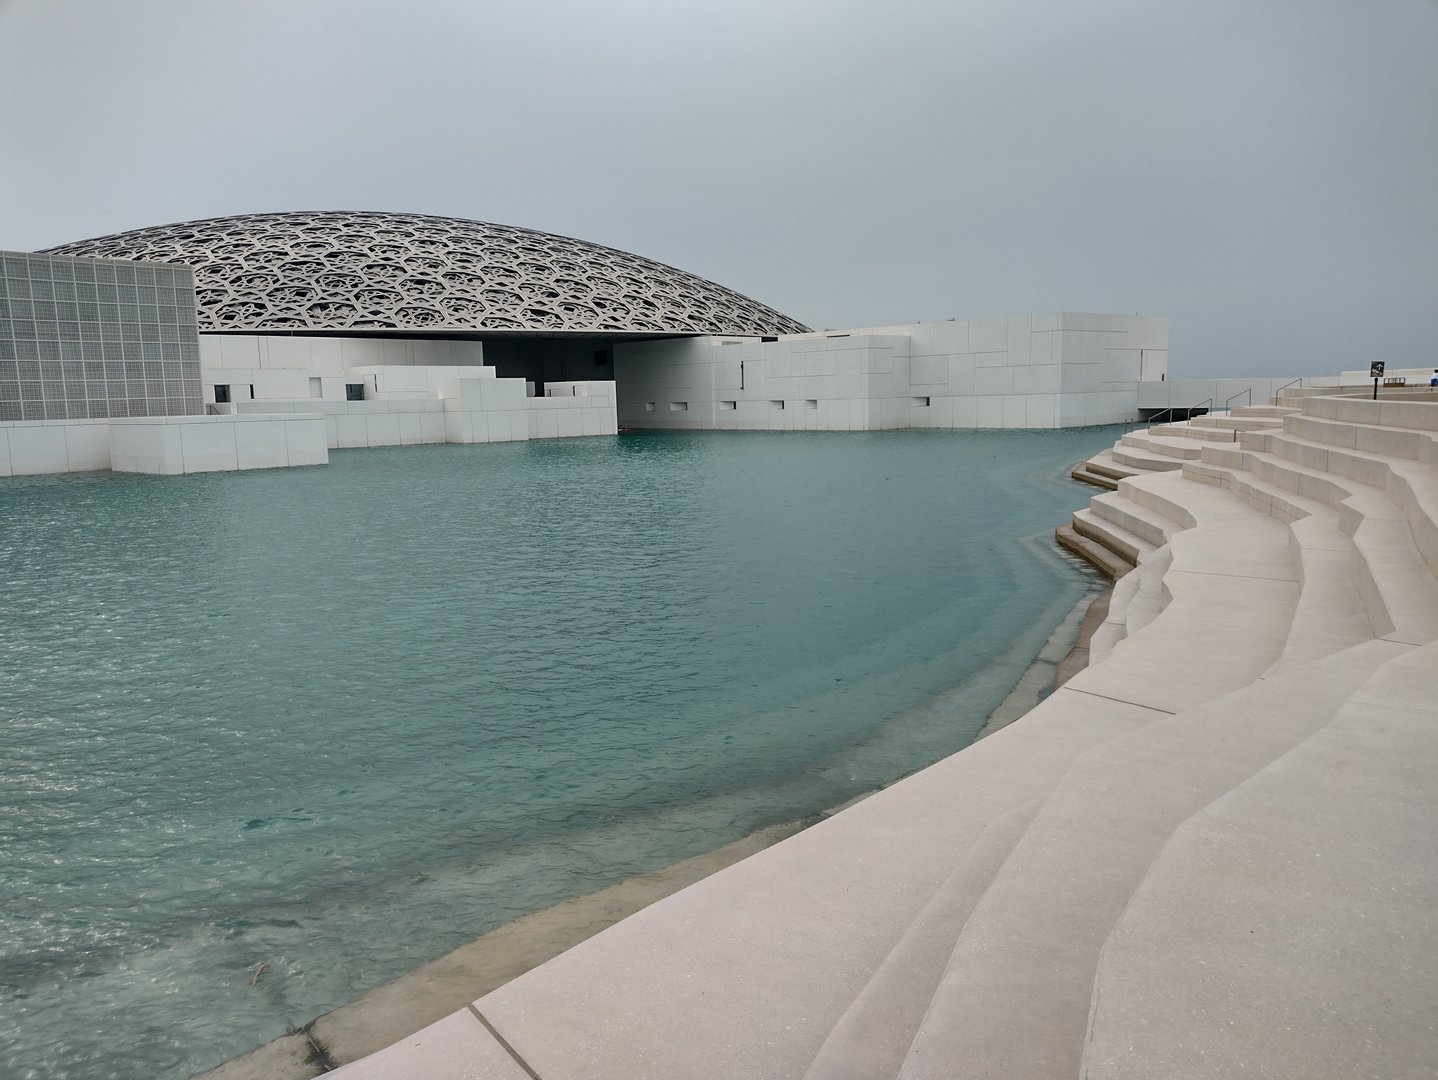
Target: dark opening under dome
361, 271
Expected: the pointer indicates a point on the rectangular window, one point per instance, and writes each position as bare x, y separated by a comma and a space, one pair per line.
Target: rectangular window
222, 393
921, 403
811, 403
679, 406
252, 391
728, 406
776, 404
354, 391
649, 406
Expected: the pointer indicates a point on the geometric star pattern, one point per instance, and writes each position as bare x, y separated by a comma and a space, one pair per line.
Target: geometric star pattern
367, 271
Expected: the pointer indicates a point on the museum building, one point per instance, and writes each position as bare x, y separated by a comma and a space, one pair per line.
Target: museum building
266, 339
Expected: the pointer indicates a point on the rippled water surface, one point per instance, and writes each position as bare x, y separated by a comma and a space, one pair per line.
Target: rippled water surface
343, 719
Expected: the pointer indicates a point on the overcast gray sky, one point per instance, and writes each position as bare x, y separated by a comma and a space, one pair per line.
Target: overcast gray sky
1264, 172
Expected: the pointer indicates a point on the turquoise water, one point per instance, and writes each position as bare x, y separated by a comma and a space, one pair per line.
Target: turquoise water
343, 719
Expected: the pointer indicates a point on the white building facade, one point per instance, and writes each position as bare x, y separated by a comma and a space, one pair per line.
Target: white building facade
295, 334
1028, 371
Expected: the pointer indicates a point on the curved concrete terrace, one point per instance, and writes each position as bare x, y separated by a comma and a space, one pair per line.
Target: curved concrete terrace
1207, 854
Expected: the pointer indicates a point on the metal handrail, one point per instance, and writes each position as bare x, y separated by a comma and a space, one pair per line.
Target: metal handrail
1228, 405
1186, 408
1279, 392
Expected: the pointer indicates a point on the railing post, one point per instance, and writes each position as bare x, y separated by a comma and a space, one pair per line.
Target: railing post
1278, 393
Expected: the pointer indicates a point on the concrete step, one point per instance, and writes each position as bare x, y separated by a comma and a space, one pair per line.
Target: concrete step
1105, 464
1266, 410
1083, 475
1113, 627
1394, 580
1330, 615
1236, 423
747, 972
1286, 930
1294, 396
1149, 598
459, 1047
1168, 446
1136, 600
1149, 526
874, 1035
1419, 413
1014, 1000
1091, 551
1418, 445
1233, 559
1143, 461
1185, 430
1127, 545
1410, 484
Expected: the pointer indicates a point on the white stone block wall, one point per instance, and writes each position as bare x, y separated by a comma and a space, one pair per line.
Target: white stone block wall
161, 444
1416, 376
474, 409
1040, 371
171, 445
587, 409
39, 447
281, 367
357, 424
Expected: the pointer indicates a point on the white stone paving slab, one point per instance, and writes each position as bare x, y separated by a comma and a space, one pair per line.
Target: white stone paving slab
873, 1036
1289, 930
459, 1047
1015, 998
747, 972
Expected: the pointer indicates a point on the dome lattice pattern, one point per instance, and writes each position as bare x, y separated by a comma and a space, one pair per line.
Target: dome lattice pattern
362, 271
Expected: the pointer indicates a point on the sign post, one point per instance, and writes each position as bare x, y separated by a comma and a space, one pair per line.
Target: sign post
1375, 372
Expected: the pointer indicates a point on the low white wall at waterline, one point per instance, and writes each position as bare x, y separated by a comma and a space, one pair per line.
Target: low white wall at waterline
167, 445
1028, 371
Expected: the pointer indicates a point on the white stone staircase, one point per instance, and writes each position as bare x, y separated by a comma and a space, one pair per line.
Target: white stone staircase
1209, 854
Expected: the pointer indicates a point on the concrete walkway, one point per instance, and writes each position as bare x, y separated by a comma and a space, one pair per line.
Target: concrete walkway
1208, 855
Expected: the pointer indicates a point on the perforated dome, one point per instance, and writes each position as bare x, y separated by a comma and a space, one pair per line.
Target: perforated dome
361, 271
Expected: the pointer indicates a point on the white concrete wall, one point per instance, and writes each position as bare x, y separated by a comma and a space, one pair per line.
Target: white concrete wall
1041, 371
280, 367
567, 389
350, 424
385, 382
1416, 376
474, 409
160, 444
170, 445
1188, 393
39, 447
588, 409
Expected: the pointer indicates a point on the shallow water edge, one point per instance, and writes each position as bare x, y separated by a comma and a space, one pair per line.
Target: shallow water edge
433, 990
